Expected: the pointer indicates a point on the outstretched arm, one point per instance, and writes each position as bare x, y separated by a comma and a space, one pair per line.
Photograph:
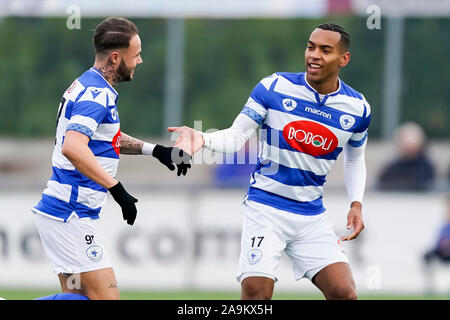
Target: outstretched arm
168, 156
224, 141
131, 145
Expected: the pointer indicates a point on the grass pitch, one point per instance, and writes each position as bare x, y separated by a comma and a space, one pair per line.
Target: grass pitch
23, 294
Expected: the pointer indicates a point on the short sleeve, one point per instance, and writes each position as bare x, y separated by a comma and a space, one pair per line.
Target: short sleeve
360, 134
257, 105
89, 111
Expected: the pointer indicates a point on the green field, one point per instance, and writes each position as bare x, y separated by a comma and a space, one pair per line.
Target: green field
16, 294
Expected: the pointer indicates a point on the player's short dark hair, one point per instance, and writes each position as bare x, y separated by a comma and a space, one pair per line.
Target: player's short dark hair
345, 36
113, 33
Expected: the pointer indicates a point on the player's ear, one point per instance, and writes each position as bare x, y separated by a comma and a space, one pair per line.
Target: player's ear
344, 59
114, 57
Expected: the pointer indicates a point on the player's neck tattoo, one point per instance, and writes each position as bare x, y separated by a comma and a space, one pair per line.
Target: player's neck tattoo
109, 74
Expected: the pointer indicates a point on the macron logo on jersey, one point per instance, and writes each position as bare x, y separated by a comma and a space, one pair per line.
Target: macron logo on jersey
95, 93
318, 112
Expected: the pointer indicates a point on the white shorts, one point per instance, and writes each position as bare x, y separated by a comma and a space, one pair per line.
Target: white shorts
73, 246
309, 241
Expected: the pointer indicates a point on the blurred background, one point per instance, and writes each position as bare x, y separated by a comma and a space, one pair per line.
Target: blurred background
201, 61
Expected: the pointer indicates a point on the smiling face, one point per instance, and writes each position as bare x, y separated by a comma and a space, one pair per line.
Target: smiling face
130, 59
324, 56
117, 49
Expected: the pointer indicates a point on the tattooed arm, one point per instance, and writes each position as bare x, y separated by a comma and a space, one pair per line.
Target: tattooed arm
166, 155
130, 145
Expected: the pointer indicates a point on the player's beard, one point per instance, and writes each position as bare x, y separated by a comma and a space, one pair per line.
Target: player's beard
123, 72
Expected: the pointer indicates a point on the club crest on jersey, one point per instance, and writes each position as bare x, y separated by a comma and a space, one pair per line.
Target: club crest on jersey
114, 114
310, 137
289, 104
346, 121
254, 255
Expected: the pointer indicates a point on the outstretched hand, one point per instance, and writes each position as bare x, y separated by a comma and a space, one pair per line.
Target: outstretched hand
188, 140
355, 221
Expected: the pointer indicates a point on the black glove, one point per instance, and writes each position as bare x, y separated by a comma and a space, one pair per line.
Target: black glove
126, 202
170, 155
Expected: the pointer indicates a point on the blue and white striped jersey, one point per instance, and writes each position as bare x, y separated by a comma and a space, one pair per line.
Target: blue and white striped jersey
87, 106
302, 134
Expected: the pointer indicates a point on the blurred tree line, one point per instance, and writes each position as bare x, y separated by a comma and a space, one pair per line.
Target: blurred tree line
224, 60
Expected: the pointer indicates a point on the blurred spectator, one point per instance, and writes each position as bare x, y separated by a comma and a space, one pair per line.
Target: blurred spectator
411, 170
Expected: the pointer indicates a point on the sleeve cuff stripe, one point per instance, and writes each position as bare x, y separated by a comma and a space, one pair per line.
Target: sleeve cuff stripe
253, 115
80, 128
359, 143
